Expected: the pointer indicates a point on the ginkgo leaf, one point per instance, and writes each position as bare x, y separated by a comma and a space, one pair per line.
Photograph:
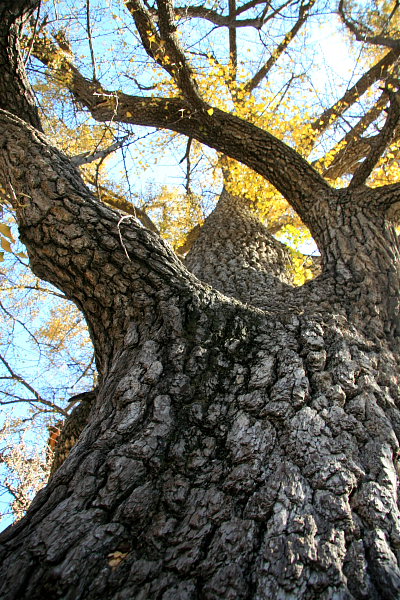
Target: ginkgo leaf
5, 244
6, 231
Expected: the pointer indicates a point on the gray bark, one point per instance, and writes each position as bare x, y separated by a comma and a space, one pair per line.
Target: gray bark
233, 451
236, 255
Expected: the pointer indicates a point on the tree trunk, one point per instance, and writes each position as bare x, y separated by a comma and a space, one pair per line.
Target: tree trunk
236, 255
232, 452
235, 450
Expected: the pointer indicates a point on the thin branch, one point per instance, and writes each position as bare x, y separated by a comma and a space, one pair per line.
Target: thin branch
88, 157
37, 396
86, 370
265, 69
188, 165
89, 33
35, 30
116, 201
353, 146
376, 73
3, 308
35, 288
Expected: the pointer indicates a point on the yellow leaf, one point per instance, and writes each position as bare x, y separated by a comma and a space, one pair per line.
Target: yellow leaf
210, 111
6, 231
5, 244
128, 114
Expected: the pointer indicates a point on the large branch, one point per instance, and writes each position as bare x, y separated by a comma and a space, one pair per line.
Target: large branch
388, 197
376, 73
380, 143
258, 149
15, 92
110, 266
293, 176
163, 46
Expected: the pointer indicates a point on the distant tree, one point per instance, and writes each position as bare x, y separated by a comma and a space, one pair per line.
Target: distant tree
243, 439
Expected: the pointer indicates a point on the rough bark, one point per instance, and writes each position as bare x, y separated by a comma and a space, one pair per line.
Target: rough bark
15, 91
65, 434
236, 255
233, 452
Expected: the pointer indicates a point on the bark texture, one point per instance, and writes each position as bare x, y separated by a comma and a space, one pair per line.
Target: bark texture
233, 452
15, 91
236, 449
236, 255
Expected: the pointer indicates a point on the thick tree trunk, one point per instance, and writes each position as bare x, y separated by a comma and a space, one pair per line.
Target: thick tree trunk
233, 451
236, 255
231, 454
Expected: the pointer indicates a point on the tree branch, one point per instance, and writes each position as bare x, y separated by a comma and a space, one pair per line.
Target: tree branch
362, 34
88, 157
188, 165
233, 55
164, 47
89, 33
265, 69
388, 197
292, 175
201, 12
376, 73
15, 91
119, 202
114, 271
380, 143
37, 397
353, 147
